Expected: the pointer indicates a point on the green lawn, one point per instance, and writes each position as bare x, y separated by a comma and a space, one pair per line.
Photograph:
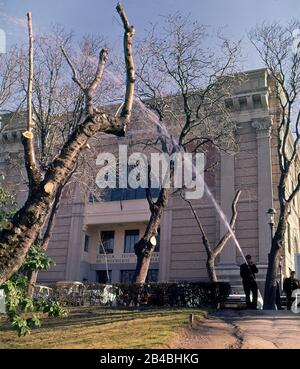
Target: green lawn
104, 328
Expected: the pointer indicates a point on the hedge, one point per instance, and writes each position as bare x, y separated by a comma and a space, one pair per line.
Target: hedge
183, 294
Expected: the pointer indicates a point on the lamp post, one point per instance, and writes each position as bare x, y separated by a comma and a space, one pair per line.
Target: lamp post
271, 219
270, 214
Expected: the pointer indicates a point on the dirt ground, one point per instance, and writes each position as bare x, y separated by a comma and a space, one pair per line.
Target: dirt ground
246, 329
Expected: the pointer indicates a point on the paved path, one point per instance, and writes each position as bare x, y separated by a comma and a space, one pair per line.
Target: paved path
231, 329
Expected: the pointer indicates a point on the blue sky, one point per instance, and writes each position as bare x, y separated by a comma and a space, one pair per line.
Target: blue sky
98, 16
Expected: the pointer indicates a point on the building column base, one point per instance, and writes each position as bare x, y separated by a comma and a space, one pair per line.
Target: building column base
228, 272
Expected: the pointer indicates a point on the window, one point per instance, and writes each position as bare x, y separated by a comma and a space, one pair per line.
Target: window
119, 194
107, 242
152, 275
131, 238
103, 276
256, 101
127, 276
86, 243
243, 103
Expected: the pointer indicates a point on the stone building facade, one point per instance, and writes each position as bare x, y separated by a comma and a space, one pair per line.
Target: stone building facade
76, 244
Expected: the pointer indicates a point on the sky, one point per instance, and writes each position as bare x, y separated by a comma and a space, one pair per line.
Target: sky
98, 17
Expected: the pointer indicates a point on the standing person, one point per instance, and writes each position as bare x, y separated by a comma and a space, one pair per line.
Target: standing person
247, 272
289, 285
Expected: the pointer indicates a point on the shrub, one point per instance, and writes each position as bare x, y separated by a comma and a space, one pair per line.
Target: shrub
183, 294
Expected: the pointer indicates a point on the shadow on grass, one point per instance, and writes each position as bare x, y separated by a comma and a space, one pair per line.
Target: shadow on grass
99, 316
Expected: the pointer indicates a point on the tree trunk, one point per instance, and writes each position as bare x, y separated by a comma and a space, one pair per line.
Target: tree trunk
44, 242
210, 266
270, 285
274, 257
274, 260
143, 261
144, 248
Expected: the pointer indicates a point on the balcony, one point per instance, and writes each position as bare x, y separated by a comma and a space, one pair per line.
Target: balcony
113, 212
124, 258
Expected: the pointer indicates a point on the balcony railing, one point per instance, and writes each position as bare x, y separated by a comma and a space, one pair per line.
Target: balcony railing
122, 258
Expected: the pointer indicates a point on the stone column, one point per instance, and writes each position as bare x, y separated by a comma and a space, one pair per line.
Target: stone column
264, 185
76, 239
227, 192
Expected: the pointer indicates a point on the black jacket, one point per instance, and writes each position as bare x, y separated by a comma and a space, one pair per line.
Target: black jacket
290, 284
248, 272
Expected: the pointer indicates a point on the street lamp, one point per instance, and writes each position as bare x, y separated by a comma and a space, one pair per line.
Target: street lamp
271, 219
270, 214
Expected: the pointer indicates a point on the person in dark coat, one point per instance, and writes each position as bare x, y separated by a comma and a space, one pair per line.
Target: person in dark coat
289, 285
247, 272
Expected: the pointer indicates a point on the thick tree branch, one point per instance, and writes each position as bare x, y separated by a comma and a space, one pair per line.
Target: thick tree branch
219, 247
212, 253
30, 73
33, 172
89, 90
129, 62
205, 240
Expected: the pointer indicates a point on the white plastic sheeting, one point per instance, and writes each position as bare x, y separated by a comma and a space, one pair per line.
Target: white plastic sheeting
2, 301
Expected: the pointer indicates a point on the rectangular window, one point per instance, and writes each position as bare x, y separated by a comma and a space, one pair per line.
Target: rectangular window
86, 243
102, 276
243, 102
131, 238
107, 242
256, 101
152, 275
127, 276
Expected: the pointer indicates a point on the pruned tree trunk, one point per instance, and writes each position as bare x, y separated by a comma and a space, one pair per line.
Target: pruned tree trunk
27, 138
144, 247
43, 242
274, 260
210, 267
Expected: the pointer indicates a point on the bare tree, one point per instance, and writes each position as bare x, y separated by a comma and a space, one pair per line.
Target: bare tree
9, 93
213, 252
183, 85
280, 53
21, 232
58, 108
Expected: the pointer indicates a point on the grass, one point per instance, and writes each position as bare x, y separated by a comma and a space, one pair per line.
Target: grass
104, 328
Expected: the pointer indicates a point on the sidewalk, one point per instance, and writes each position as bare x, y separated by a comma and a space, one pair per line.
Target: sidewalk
246, 329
